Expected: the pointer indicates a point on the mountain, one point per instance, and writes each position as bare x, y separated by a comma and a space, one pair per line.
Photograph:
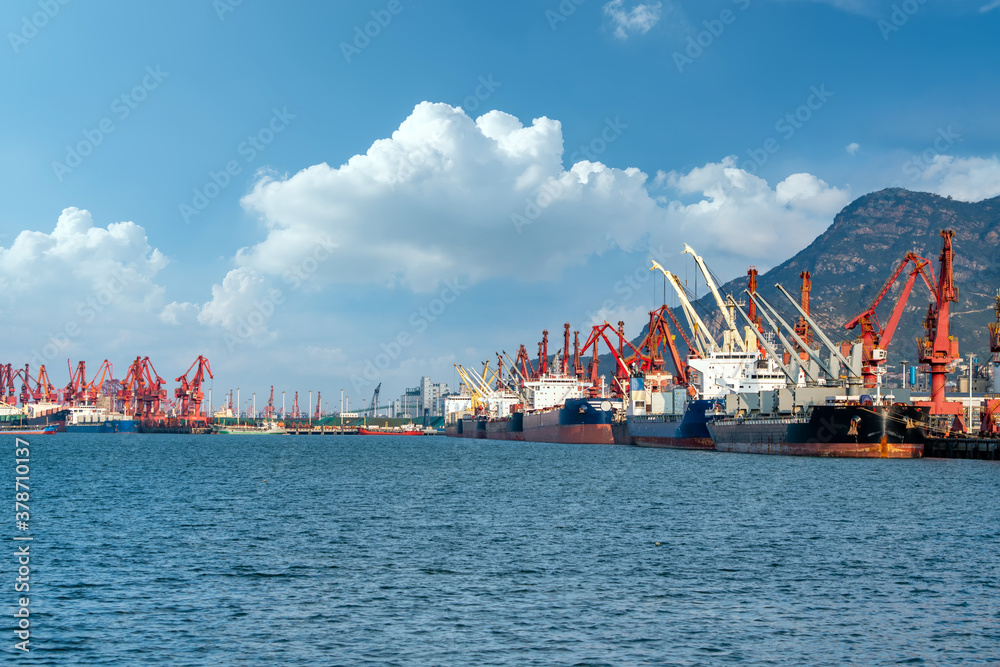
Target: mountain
853, 258
851, 261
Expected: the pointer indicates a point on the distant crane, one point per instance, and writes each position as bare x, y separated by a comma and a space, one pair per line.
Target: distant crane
269, 410
318, 414
75, 390
142, 390
295, 407
375, 400
8, 393
189, 392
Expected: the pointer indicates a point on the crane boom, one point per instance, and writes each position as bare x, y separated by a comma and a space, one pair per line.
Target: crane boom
703, 341
727, 316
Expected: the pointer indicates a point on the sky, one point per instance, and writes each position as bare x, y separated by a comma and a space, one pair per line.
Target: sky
325, 196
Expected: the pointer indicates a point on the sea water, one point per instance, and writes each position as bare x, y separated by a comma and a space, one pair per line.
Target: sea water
351, 550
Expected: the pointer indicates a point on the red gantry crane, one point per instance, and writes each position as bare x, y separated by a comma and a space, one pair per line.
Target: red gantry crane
190, 395
8, 391
622, 373
75, 391
938, 349
874, 338
269, 410
93, 389
142, 391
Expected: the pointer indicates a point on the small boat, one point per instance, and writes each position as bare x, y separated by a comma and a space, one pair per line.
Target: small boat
364, 431
31, 430
267, 428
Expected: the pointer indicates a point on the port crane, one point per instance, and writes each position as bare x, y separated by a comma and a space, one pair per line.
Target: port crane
142, 390
8, 392
731, 335
189, 392
43, 390
875, 338
622, 374
75, 390
658, 334
269, 410
938, 349
96, 387
704, 343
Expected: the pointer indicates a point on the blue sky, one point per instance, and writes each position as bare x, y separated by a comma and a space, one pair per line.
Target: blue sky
266, 184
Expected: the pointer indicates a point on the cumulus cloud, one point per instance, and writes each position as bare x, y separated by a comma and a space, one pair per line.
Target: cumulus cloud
741, 217
449, 197
243, 305
78, 261
637, 20
77, 288
852, 148
968, 179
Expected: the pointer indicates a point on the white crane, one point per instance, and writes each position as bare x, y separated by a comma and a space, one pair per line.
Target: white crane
702, 340
731, 335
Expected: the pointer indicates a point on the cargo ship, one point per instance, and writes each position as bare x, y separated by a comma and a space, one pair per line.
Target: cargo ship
687, 430
858, 430
90, 419
554, 407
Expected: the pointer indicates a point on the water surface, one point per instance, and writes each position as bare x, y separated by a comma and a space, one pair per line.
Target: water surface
325, 550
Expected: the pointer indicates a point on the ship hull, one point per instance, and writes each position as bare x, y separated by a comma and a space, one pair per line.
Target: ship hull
579, 421
108, 426
838, 431
684, 431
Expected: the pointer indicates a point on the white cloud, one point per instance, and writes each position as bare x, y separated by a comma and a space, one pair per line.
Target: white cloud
741, 218
852, 148
98, 268
638, 20
79, 289
243, 305
448, 197
990, 6
968, 179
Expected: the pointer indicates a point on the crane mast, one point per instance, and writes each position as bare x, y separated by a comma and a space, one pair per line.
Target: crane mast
731, 336
702, 340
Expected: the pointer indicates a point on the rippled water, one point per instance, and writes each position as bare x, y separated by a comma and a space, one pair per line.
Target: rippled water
201, 550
